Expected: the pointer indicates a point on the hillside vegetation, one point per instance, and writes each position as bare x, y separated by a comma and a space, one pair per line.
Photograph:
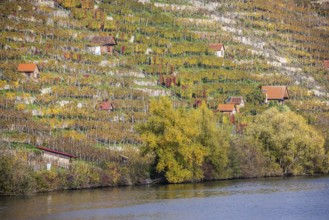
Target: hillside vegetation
162, 50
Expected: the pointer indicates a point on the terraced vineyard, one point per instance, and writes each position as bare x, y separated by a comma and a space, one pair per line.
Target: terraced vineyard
162, 50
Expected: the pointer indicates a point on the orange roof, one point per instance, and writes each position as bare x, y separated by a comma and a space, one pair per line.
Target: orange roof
226, 107
216, 47
276, 92
326, 64
27, 67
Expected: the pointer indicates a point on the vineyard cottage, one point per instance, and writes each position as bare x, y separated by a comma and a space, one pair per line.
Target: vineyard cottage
30, 70
106, 106
218, 48
238, 101
58, 158
275, 93
101, 45
227, 108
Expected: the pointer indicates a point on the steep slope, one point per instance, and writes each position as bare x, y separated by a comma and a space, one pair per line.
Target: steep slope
162, 49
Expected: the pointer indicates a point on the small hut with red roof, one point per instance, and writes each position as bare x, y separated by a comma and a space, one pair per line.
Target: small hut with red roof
218, 49
51, 156
30, 70
276, 93
227, 108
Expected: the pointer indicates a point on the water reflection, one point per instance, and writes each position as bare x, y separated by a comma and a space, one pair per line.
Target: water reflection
49, 204
174, 201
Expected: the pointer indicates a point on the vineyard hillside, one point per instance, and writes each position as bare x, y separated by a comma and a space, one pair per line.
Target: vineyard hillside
77, 76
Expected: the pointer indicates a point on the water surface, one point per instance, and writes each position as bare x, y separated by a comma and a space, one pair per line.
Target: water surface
270, 198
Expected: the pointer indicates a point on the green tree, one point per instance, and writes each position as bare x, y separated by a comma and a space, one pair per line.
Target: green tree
215, 140
289, 141
247, 158
253, 101
15, 176
255, 96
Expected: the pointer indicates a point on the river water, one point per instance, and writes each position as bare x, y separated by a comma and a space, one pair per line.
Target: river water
268, 198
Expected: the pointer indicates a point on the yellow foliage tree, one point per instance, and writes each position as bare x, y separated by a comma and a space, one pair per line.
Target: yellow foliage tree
171, 135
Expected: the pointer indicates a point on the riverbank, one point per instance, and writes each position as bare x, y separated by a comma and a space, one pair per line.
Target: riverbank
19, 179
18, 174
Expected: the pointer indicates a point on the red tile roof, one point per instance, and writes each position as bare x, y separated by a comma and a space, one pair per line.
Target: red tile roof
103, 40
106, 106
27, 67
216, 47
56, 152
275, 92
326, 64
226, 107
235, 100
